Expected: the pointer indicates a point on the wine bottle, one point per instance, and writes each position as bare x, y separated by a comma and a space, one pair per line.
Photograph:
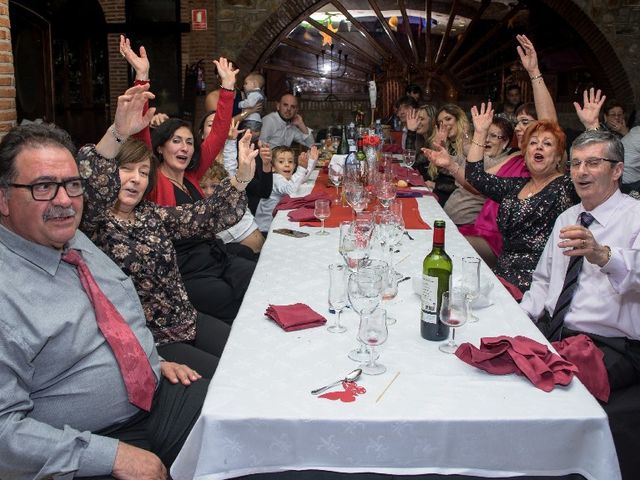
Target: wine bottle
343, 148
362, 160
436, 274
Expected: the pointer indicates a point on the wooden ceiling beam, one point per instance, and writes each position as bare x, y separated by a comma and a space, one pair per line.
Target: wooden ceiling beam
363, 31
409, 31
473, 23
490, 34
428, 47
389, 32
445, 37
490, 56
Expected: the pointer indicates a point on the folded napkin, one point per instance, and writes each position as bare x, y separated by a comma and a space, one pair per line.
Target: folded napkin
295, 317
289, 203
408, 193
520, 355
409, 175
583, 353
303, 214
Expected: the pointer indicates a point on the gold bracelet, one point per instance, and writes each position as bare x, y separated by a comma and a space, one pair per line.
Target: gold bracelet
477, 144
537, 77
243, 182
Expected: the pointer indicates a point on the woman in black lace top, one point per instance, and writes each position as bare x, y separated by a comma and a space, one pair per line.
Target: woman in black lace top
528, 206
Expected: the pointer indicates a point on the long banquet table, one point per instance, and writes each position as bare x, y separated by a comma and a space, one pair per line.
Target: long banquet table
440, 415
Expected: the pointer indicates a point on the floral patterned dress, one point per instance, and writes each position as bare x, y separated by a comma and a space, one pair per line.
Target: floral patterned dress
525, 224
143, 248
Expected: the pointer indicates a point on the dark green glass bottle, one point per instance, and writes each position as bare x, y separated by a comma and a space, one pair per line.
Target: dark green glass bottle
436, 275
343, 148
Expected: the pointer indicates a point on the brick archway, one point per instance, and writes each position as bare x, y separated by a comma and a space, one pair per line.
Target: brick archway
608, 69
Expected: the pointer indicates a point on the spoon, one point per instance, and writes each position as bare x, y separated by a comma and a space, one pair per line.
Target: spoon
351, 377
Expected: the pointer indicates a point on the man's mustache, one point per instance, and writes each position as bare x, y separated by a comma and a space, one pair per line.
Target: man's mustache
55, 212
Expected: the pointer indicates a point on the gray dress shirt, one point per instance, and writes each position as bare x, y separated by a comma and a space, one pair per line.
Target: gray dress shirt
277, 132
59, 380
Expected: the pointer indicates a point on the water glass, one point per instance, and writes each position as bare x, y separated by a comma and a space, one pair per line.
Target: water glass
471, 283
337, 294
409, 158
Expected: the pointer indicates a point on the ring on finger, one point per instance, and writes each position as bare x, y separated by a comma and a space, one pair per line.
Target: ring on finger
584, 243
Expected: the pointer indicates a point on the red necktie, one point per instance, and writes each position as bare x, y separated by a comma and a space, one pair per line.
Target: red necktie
133, 362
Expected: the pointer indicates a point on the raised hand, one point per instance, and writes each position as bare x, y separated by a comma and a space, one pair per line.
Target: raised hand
247, 154
233, 130
412, 119
303, 160
313, 153
158, 119
439, 156
129, 118
589, 113
226, 72
140, 63
482, 118
528, 55
265, 155
440, 138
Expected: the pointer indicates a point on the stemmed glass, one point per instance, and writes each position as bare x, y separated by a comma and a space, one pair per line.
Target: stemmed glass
390, 291
365, 294
453, 313
354, 245
373, 332
335, 175
356, 196
337, 294
385, 191
322, 211
409, 158
471, 283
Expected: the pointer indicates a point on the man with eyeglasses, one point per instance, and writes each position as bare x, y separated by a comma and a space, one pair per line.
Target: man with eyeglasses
588, 279
83, 392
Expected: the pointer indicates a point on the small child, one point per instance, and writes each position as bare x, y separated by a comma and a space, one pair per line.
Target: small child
285, 181
253, 84
242, 236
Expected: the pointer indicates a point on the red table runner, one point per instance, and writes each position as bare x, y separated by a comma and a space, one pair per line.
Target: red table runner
410, 213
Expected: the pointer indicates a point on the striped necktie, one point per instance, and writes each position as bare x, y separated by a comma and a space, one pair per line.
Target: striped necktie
568, 288
136, 371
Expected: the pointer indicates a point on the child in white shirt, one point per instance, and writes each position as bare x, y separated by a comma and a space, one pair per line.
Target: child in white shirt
285, 180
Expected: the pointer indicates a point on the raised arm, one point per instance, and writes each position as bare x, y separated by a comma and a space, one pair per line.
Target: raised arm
214, 142
545, 107
140, 63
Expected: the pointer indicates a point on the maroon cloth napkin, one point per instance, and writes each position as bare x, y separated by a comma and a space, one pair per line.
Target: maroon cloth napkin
520, 355
295, 317
512, 289
289, 203
303, 214
408, 193
583, 353
392, 148
409, 175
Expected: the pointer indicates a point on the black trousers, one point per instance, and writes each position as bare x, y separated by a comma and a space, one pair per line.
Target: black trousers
221, 295
622, 361
164, 430
204, 353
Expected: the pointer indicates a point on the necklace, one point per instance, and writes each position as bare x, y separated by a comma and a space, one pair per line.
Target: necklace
533, 190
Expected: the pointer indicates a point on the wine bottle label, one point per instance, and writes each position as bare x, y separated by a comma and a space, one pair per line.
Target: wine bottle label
429, 297
428, 317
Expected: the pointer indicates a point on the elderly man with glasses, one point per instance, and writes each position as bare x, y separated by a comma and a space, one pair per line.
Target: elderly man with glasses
588, 281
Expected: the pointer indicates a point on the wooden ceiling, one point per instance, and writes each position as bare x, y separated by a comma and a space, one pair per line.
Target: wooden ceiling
454, 49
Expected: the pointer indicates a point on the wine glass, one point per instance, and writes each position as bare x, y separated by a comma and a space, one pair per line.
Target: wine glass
385, 191
409, 158
356, 196
453, 313
322, 211
364, 290
390, 291
353, 246
471, 283
335, 175
373, 332
337, 294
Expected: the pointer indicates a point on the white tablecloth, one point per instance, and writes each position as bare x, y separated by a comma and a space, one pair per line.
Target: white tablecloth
439, 416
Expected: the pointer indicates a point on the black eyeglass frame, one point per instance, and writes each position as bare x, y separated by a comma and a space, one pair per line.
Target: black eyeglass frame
63, 184
586, 160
